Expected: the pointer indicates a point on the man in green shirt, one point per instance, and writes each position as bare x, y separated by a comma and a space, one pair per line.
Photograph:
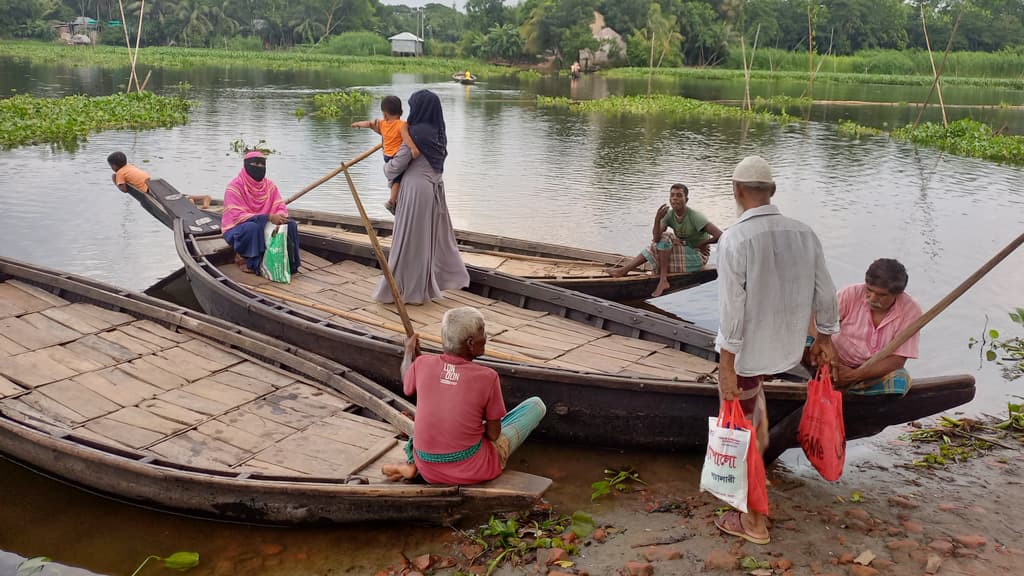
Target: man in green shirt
680, 243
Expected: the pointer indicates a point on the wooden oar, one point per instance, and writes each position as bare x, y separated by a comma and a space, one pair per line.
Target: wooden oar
375, 322
334, 173
381, 258
786, 429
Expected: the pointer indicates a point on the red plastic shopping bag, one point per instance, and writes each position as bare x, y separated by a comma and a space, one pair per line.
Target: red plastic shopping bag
822, 432
757, 479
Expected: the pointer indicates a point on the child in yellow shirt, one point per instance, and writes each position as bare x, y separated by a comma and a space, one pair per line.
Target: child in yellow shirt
394, 132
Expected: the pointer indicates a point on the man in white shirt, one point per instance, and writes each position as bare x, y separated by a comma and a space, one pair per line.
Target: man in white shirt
771, 278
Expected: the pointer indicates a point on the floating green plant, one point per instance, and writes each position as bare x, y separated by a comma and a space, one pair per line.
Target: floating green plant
335, 104
26, 120
677, 106
851, 128
967, 137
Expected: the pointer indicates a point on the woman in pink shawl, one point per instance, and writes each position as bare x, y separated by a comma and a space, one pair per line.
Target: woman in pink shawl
250, 201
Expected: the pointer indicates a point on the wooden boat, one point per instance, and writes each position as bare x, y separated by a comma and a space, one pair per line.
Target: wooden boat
461, 78
611, 375
141, 400
574, 268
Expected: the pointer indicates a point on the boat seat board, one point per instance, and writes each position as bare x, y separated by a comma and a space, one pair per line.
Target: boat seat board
511, 482
8, 388
15, 302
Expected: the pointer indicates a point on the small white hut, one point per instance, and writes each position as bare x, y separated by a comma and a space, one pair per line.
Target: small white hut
406, 44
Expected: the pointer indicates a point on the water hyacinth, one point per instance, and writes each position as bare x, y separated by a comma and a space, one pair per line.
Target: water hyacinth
851, 128
26, 120
334, 104
675, 106
967, 137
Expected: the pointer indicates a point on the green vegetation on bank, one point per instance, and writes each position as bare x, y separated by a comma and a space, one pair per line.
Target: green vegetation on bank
821, 77
25, 120
964, 137
672, 106
184, 58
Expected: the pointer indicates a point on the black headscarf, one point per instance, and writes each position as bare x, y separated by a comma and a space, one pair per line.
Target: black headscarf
426, 127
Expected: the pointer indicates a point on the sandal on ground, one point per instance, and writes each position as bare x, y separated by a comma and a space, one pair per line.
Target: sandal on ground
731, 524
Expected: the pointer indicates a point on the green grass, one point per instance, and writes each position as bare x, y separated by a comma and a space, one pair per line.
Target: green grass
821, 77
296, 58
25, 120
672, 106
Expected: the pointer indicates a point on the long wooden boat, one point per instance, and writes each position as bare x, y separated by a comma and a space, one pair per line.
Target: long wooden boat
578, 269
144, 401
611, 375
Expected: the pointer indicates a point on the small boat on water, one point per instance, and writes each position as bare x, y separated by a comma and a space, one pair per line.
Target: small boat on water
611, 375
461, 78
147, 402
578, 269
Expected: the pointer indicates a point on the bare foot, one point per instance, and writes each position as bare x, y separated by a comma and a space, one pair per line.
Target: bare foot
662, 286
397, 472
618, 272
242, 264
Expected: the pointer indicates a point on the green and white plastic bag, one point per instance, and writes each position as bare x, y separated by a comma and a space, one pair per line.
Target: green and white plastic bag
275, 264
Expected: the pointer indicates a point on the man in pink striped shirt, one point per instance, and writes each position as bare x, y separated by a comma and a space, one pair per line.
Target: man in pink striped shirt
870, 316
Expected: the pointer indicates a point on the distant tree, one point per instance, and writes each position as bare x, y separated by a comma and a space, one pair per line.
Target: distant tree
501, 42
562, 27
704, 34
483, 15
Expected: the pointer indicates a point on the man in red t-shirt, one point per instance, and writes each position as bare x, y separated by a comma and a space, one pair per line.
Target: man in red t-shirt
462, 434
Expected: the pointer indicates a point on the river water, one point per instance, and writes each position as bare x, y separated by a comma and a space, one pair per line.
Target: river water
517, 170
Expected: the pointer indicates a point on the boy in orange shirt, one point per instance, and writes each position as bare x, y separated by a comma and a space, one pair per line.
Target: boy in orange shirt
126, 174
394, 132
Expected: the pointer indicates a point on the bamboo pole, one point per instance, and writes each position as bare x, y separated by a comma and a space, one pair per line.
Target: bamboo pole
345, 166
378, 323
375, 242
942, 67
128, 44
935, 72
138, 38
941, 305
810, 51
746, 74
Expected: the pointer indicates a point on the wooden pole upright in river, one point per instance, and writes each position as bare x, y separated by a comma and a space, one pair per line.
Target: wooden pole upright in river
935, 72
942, 67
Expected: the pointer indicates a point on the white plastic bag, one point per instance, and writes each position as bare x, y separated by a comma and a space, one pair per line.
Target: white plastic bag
725, 464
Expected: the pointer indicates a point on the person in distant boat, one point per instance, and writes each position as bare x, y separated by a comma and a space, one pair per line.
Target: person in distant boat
126, 174
681, 240
394, 132
771, 278
870, 316
424, 256
252, 200
468, 76
463, 434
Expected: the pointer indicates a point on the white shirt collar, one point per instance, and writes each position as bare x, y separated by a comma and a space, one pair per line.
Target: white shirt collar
765, 210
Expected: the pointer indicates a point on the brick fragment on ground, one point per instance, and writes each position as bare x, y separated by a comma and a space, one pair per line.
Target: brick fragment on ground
548, 556
941, 546
932, 566
720, 560
903, 502
661, 553
639, 569
858, 570
971, 541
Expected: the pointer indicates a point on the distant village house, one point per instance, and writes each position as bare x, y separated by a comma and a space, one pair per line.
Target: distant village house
81, 30
612, 46
406, 44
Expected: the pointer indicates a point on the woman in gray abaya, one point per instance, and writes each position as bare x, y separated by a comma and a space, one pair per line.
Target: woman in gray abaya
424, 256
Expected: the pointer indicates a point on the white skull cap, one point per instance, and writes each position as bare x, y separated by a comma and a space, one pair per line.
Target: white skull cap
753, 169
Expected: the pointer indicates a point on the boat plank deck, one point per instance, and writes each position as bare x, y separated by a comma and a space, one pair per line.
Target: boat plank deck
540, 336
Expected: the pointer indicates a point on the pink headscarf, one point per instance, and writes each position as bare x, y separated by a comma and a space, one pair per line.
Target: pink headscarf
246, 198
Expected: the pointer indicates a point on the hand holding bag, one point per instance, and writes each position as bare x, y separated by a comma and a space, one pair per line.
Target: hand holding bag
822, 432
725, 463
